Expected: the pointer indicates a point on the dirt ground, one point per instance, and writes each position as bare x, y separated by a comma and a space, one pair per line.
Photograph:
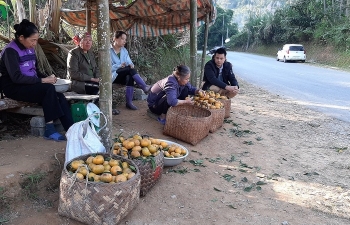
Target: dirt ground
272, 162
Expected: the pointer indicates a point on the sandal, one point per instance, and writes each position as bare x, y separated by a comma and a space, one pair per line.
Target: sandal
162, 121
56, 137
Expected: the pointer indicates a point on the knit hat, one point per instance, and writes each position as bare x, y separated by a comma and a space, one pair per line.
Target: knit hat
78, 37
84, 35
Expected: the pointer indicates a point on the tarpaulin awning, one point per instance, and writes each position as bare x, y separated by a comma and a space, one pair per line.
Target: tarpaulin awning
146, 18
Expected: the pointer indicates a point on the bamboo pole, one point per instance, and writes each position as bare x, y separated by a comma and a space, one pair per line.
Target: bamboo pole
206, 31
193, 41
88, 16
20, 10
32, 12
104, 63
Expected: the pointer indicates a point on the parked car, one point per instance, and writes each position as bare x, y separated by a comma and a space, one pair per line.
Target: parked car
291, 52
213, 50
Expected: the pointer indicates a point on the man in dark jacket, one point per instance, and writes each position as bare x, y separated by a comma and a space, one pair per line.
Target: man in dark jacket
218, 75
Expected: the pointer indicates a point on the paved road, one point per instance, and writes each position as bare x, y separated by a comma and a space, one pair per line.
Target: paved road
324, 89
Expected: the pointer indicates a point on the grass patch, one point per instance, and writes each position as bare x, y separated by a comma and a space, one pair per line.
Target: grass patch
30, 184
4, 201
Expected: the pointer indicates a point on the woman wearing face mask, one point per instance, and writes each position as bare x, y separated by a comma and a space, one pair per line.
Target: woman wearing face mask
123, 71
22, 81
171, 91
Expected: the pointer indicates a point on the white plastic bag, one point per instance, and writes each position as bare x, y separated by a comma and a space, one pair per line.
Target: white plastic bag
82, 139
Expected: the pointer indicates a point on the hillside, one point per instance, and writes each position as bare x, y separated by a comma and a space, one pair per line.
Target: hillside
243, 8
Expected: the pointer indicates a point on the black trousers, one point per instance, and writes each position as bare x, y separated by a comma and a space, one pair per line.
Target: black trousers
162, 107
55, 105
91, 88
125, 76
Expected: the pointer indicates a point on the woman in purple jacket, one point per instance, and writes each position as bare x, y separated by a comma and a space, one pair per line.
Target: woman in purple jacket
171, 91
22, 81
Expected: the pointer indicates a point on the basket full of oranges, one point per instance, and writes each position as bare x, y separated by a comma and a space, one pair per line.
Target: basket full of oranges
146, 153
92, 180
210, 100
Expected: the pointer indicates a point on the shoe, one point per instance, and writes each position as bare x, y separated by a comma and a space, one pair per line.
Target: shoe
115, 111
56, 137
162, 121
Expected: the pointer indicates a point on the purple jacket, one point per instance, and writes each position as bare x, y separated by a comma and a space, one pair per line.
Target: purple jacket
27, 59
17, 66
170, 87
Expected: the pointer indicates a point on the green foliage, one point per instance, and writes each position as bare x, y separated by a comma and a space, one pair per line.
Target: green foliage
298, 22
222, 28
155, 58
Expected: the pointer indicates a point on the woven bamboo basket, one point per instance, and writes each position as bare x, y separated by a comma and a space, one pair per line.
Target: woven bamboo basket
227, 106
217, 119
97, 202
188, 123
150, 175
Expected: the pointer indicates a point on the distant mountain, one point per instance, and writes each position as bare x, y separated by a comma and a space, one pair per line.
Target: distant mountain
243, 8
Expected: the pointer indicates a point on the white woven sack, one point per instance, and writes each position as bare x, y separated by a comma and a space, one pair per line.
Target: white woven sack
82, 138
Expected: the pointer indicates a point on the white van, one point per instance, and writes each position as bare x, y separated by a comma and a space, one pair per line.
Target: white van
291, 52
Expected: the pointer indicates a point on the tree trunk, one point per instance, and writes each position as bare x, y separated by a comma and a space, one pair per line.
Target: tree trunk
88, 16
193, 41
55, 6
206, 31
103, 37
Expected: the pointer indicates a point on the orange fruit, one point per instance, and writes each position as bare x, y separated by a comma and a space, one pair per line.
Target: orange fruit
98, 169
80, 176
115, 170
130, 175
145, 142
137, 142
106, 177
91, 176
98, 160
113, 162
135, 154
76, 164
136, 136
136, 148
127, 170
120, 178
125, 165
163, 144
83, 170
152, 148
146, 152
89, 160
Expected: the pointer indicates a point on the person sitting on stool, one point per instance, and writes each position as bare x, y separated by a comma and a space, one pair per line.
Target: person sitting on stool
218, 75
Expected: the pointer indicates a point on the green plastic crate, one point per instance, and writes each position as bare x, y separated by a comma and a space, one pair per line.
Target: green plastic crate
79, 111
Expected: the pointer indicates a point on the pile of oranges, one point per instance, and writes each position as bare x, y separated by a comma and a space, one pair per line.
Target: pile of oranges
209, 100
174, 151
102, 169
138, 146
